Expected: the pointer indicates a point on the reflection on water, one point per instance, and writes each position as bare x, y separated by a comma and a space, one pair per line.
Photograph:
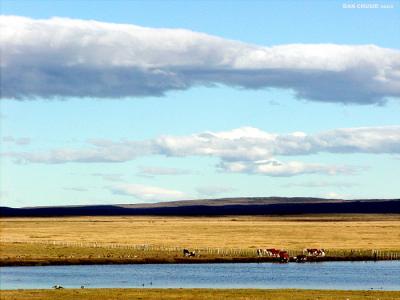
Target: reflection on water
382, 275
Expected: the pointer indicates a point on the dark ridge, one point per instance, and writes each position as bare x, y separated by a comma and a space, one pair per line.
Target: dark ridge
322, 206
234, 201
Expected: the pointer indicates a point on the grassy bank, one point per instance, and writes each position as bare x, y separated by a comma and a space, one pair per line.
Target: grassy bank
122, 294
221, 239
40, 254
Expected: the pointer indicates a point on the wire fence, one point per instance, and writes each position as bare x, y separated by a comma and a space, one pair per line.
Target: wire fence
216, 252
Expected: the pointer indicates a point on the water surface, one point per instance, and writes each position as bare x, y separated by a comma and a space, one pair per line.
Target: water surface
381, 275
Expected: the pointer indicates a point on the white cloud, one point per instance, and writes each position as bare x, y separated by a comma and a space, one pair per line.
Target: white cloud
147, 193
161, 171
321, 184
334, 195
385, 139
49, 58
22, 141
246, 149
229, 145
110, 176
76, 189
277, 168
242, 144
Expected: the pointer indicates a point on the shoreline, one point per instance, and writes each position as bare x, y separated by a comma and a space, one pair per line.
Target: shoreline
197, 293
176, 260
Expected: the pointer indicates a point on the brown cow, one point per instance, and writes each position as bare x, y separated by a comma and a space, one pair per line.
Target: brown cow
273, 252
284, 256
314, 252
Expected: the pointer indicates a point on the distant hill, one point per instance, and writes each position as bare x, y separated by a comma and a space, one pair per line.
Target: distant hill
236, 201
217, 207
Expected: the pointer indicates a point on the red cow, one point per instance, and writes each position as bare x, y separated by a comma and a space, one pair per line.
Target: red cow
284, 256
273, 252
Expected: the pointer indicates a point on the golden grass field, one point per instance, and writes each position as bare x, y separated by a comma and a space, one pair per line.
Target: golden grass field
296, 232
169, 294
31, 238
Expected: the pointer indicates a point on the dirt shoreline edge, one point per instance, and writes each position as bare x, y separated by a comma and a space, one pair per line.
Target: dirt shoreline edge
198, 294
82, 261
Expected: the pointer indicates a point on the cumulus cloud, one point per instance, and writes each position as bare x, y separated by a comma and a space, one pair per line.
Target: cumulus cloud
16, 141
110, 176
99, 151
161, 171
147, 193
321, 184
334, 195
245, 143
248, 143
50, 58
277, 168
76, 189
246, 149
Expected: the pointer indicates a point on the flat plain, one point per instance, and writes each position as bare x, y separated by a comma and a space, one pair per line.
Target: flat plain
52, 239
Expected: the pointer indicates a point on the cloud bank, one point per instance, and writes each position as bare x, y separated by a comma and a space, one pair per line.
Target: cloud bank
16, 141
242, 150
161, 171
147, 193
59, 58
277, 168
321, 184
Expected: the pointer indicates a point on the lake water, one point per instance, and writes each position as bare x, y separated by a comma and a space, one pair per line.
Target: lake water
382, 275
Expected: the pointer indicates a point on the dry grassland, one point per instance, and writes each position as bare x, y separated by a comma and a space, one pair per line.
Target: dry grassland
98, 240
292, 232
169, 294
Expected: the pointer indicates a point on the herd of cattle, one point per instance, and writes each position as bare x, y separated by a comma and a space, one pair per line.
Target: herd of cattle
281, 255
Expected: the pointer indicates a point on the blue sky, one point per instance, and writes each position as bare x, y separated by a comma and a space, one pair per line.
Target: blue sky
39, 124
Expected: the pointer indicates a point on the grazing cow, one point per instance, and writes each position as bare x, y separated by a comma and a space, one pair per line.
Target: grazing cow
284, 256
300, 258
273, 252
57, 287
188, 253
314, 252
